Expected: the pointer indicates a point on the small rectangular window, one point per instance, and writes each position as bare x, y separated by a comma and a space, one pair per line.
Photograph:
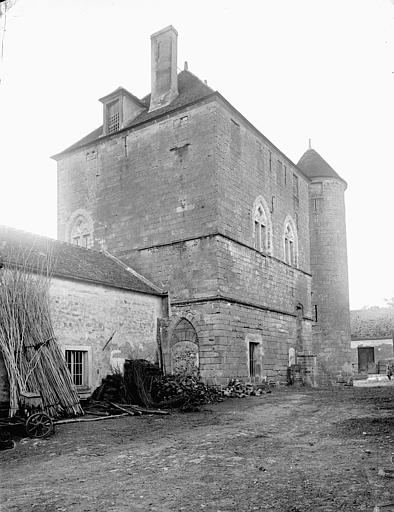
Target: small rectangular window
76, 240
315, 311
254, 366
77, 365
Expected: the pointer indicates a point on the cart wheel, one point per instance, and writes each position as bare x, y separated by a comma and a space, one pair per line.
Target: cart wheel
39, 425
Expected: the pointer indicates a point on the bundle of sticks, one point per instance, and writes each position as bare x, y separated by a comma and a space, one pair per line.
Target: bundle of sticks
32, 357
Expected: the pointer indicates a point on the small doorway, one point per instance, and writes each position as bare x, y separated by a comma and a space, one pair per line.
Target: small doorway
366, 359
254, 361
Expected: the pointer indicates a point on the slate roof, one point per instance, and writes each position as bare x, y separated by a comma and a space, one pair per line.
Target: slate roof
314, 166
190, 89
69, 261
372, 323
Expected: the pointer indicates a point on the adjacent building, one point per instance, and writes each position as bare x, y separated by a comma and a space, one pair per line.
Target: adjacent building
102, 311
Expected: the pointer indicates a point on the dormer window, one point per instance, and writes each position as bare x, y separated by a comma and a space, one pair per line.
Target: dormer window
120, 108
113, 117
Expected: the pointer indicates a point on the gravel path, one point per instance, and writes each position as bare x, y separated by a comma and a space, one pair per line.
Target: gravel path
290, 451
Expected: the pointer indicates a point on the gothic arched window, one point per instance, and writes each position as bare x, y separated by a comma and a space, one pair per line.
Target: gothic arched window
80, 230
262, 229
290, 243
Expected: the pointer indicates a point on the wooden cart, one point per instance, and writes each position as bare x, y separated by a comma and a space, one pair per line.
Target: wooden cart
31, 413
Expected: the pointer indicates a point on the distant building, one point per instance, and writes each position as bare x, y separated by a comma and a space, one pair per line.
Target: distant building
102, 311
251, 247
372, 339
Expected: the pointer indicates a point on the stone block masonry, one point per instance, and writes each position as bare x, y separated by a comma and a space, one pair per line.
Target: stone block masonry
330, 276
87, 315
202, 204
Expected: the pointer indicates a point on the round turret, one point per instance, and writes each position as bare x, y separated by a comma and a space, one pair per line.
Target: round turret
329, 267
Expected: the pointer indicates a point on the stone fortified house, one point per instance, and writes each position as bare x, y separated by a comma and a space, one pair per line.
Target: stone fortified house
251, 247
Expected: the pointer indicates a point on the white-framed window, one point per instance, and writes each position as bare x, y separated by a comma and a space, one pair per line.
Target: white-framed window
290, 242
262, 227
78, 361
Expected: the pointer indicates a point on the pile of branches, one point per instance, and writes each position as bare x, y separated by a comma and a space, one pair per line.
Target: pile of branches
183, 391
134, 386
32, 357
239, 389
111, 389
139, 378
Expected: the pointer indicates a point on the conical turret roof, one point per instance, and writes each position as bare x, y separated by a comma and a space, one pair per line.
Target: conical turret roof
314, 166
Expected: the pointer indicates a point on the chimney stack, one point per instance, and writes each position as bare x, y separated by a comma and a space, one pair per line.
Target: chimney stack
164, 67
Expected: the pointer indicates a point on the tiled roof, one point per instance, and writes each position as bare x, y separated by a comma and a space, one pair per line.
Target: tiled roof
69, 261
190, 89
314, 166
372, 323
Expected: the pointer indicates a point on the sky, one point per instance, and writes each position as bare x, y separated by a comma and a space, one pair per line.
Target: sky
297, 69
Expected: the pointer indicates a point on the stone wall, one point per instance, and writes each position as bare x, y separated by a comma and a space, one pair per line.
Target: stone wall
150, 186
175, 199
224, 331
86, 315
249, 167
383, 351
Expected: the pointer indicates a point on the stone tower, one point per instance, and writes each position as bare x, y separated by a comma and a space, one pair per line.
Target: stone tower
186, 191
330, 292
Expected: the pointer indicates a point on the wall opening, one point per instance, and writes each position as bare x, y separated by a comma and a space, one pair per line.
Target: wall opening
184, 349
299, 336
254, 360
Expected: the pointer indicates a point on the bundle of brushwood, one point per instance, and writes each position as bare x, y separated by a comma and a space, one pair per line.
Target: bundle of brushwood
32, 357
134, 386
139, 376
111, 389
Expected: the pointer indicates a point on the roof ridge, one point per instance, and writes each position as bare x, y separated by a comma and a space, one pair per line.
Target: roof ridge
131, 270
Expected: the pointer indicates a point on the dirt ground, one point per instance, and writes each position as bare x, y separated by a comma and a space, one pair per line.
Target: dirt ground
289, 451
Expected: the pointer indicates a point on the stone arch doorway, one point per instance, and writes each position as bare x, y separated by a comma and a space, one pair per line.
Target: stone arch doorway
184, 356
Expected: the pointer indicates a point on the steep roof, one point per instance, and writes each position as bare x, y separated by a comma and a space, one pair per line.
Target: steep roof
190, 89
314, 166
69, 261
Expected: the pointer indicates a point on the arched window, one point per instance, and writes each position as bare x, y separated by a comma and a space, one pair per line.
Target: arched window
262, 227
290, 242
80, 230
